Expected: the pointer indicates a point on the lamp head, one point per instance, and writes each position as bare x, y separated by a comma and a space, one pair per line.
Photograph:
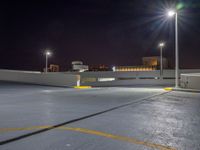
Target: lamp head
171, 13
162, 44
48, 53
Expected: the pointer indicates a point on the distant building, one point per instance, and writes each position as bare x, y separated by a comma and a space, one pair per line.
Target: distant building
149, 64
53, 68
99, 68
78, 66
154, 62
134, 68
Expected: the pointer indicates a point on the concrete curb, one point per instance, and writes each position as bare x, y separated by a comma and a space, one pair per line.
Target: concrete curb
186, 90
82, 87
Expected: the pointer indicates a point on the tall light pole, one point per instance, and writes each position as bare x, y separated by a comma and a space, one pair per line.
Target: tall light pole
161, 45
47, 54
172, 13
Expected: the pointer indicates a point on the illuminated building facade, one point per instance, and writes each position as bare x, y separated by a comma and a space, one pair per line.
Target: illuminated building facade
155, 62
52, 68
78, 66
99, 68
149, 64
135, 68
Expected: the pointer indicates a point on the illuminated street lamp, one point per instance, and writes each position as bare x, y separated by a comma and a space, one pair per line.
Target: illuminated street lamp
47, 54
172, 13
161, 45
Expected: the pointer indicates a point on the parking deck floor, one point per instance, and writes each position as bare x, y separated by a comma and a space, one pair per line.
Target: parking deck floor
41, 117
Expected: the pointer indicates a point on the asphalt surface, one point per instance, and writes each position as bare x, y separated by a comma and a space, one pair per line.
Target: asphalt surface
40, 118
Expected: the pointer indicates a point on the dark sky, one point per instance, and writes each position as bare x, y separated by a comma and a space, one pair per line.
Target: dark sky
111, 32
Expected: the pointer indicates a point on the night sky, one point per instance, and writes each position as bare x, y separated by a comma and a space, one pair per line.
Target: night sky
110, 32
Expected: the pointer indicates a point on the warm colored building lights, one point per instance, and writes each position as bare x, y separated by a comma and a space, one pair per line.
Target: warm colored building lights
134, 68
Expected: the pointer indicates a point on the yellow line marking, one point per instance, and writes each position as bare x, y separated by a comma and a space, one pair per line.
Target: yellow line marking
82, 87
168, 89
94, 132
120, 138
23, 129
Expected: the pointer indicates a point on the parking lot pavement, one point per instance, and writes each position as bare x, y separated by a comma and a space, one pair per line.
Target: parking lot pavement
32, 105
152, 120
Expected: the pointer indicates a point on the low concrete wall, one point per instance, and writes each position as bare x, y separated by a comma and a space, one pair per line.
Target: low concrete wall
120, 78
144, 78
167, 73
190, 81
134, 82
53, 79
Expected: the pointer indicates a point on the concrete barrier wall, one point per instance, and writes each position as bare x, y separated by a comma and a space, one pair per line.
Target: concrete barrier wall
131, 78
137, 74
72, 79
110, 74
136, 82
53, 79
190, 81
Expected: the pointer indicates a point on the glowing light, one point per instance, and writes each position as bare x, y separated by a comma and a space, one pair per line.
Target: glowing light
171, 13
134, 68
162, 44
48, 53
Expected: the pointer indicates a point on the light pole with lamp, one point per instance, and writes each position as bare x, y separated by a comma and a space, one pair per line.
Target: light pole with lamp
161, 45
47, 54
172, 13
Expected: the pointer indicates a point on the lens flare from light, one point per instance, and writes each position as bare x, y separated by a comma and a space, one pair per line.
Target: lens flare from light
171, 13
